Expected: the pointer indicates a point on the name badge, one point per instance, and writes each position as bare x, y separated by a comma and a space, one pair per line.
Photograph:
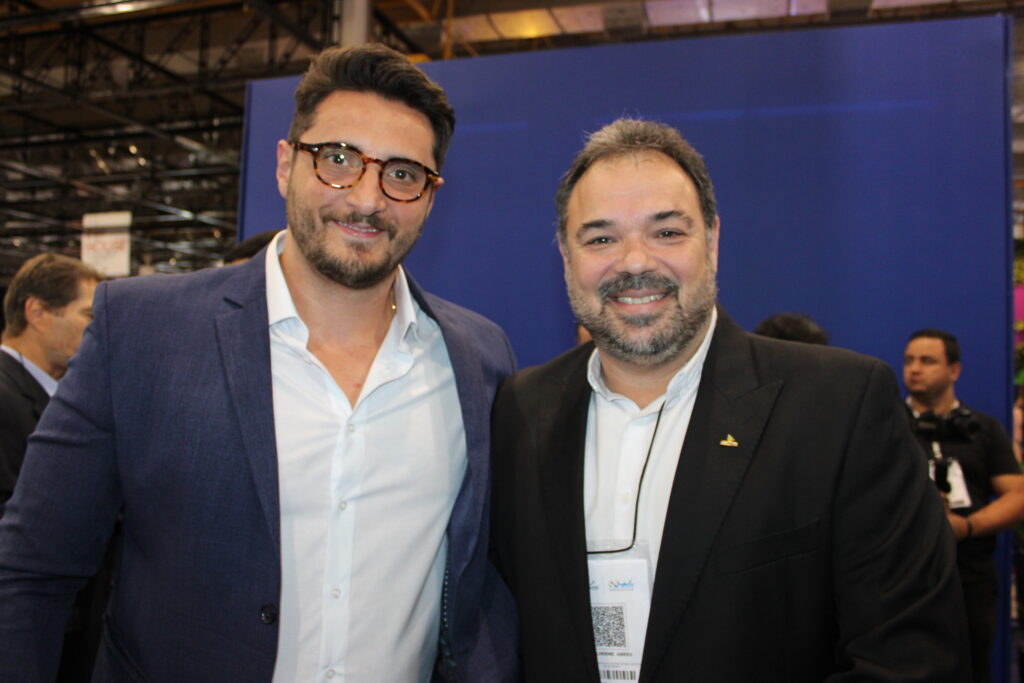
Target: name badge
620, 602
958, 495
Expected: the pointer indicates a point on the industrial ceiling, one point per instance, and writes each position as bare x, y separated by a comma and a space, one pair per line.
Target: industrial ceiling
138, 106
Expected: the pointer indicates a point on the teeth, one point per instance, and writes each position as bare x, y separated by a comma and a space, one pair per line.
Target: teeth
358, 228
640, 299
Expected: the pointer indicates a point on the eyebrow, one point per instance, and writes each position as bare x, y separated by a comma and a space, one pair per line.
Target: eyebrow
671, 213
603, 223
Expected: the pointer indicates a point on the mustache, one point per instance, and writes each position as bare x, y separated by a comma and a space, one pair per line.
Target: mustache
624, 282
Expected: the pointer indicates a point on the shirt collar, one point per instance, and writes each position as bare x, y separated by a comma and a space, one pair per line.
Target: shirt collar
48, 383
281, 307
916, 414
688, 375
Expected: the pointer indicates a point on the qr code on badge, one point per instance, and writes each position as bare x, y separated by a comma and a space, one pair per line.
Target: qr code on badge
609, 625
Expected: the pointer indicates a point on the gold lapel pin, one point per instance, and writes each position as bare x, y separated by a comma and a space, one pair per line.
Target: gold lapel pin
729, 441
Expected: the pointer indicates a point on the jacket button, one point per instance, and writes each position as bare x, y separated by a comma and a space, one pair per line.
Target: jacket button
268, 613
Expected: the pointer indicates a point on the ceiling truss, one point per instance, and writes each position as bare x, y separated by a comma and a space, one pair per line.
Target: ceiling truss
113, 106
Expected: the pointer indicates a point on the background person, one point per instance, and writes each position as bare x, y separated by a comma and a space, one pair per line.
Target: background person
46, 309
792, 327
972, 461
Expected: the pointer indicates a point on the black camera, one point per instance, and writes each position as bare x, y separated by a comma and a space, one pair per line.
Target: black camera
960, 424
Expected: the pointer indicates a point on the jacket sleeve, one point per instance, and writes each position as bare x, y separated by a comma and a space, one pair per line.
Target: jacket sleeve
56, 526
898, 599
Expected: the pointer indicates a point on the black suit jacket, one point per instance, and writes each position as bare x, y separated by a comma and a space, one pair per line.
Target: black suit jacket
22, 400
815, 550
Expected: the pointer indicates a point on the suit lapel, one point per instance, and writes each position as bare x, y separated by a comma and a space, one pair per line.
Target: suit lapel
467, 514
563, 429
731, 407
244, 341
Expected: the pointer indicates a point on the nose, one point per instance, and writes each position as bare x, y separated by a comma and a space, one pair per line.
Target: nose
366, 197
636, 257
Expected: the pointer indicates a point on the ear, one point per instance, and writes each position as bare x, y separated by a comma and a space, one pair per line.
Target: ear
285, 154
954, 370
35, 313
713, 244
563, 250
436, 185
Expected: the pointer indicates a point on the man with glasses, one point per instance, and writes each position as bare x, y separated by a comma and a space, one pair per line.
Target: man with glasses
683, 501
298, 443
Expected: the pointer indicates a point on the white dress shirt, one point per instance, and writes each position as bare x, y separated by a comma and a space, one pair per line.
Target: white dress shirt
619, 435
366, 492
48, 383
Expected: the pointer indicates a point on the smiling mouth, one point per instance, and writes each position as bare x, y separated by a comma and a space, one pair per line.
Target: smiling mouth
638, 300
637, 290
359, 227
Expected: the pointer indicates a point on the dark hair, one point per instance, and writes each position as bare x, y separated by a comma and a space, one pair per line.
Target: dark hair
249, 247
632, 136
52, 278
378, 69
950, 343
793, 327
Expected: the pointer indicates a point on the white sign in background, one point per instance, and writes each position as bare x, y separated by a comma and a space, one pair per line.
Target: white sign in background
107, 242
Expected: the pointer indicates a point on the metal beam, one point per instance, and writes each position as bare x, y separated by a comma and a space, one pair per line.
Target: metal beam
25, 215
167, 73
22, 142
181, 140
391, 28
158, 174
112, 196
849, 8
270, 12
82, 13
355, 22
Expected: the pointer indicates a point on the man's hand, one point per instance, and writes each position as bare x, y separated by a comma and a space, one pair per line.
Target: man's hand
958, 524
1005, 510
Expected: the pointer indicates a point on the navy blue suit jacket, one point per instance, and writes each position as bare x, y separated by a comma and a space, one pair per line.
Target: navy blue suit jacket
166, 413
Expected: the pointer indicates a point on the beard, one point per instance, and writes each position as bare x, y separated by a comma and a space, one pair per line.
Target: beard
649, 339
353, 265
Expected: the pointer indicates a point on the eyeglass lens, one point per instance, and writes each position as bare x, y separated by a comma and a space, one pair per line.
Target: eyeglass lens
400, 179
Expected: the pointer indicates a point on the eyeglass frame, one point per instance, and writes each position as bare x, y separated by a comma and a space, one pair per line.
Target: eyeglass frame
314, 150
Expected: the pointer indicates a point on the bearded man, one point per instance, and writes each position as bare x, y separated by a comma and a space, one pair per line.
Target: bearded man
297, 445
682, 501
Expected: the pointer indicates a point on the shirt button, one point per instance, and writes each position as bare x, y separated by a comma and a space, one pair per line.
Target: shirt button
342, 504
626, 497
351, 428
330, 673
268, 613
336, 593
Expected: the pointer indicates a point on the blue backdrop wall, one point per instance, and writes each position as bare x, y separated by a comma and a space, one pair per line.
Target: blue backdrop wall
863, 177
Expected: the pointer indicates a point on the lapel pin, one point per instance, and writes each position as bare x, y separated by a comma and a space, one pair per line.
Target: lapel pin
729, 441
